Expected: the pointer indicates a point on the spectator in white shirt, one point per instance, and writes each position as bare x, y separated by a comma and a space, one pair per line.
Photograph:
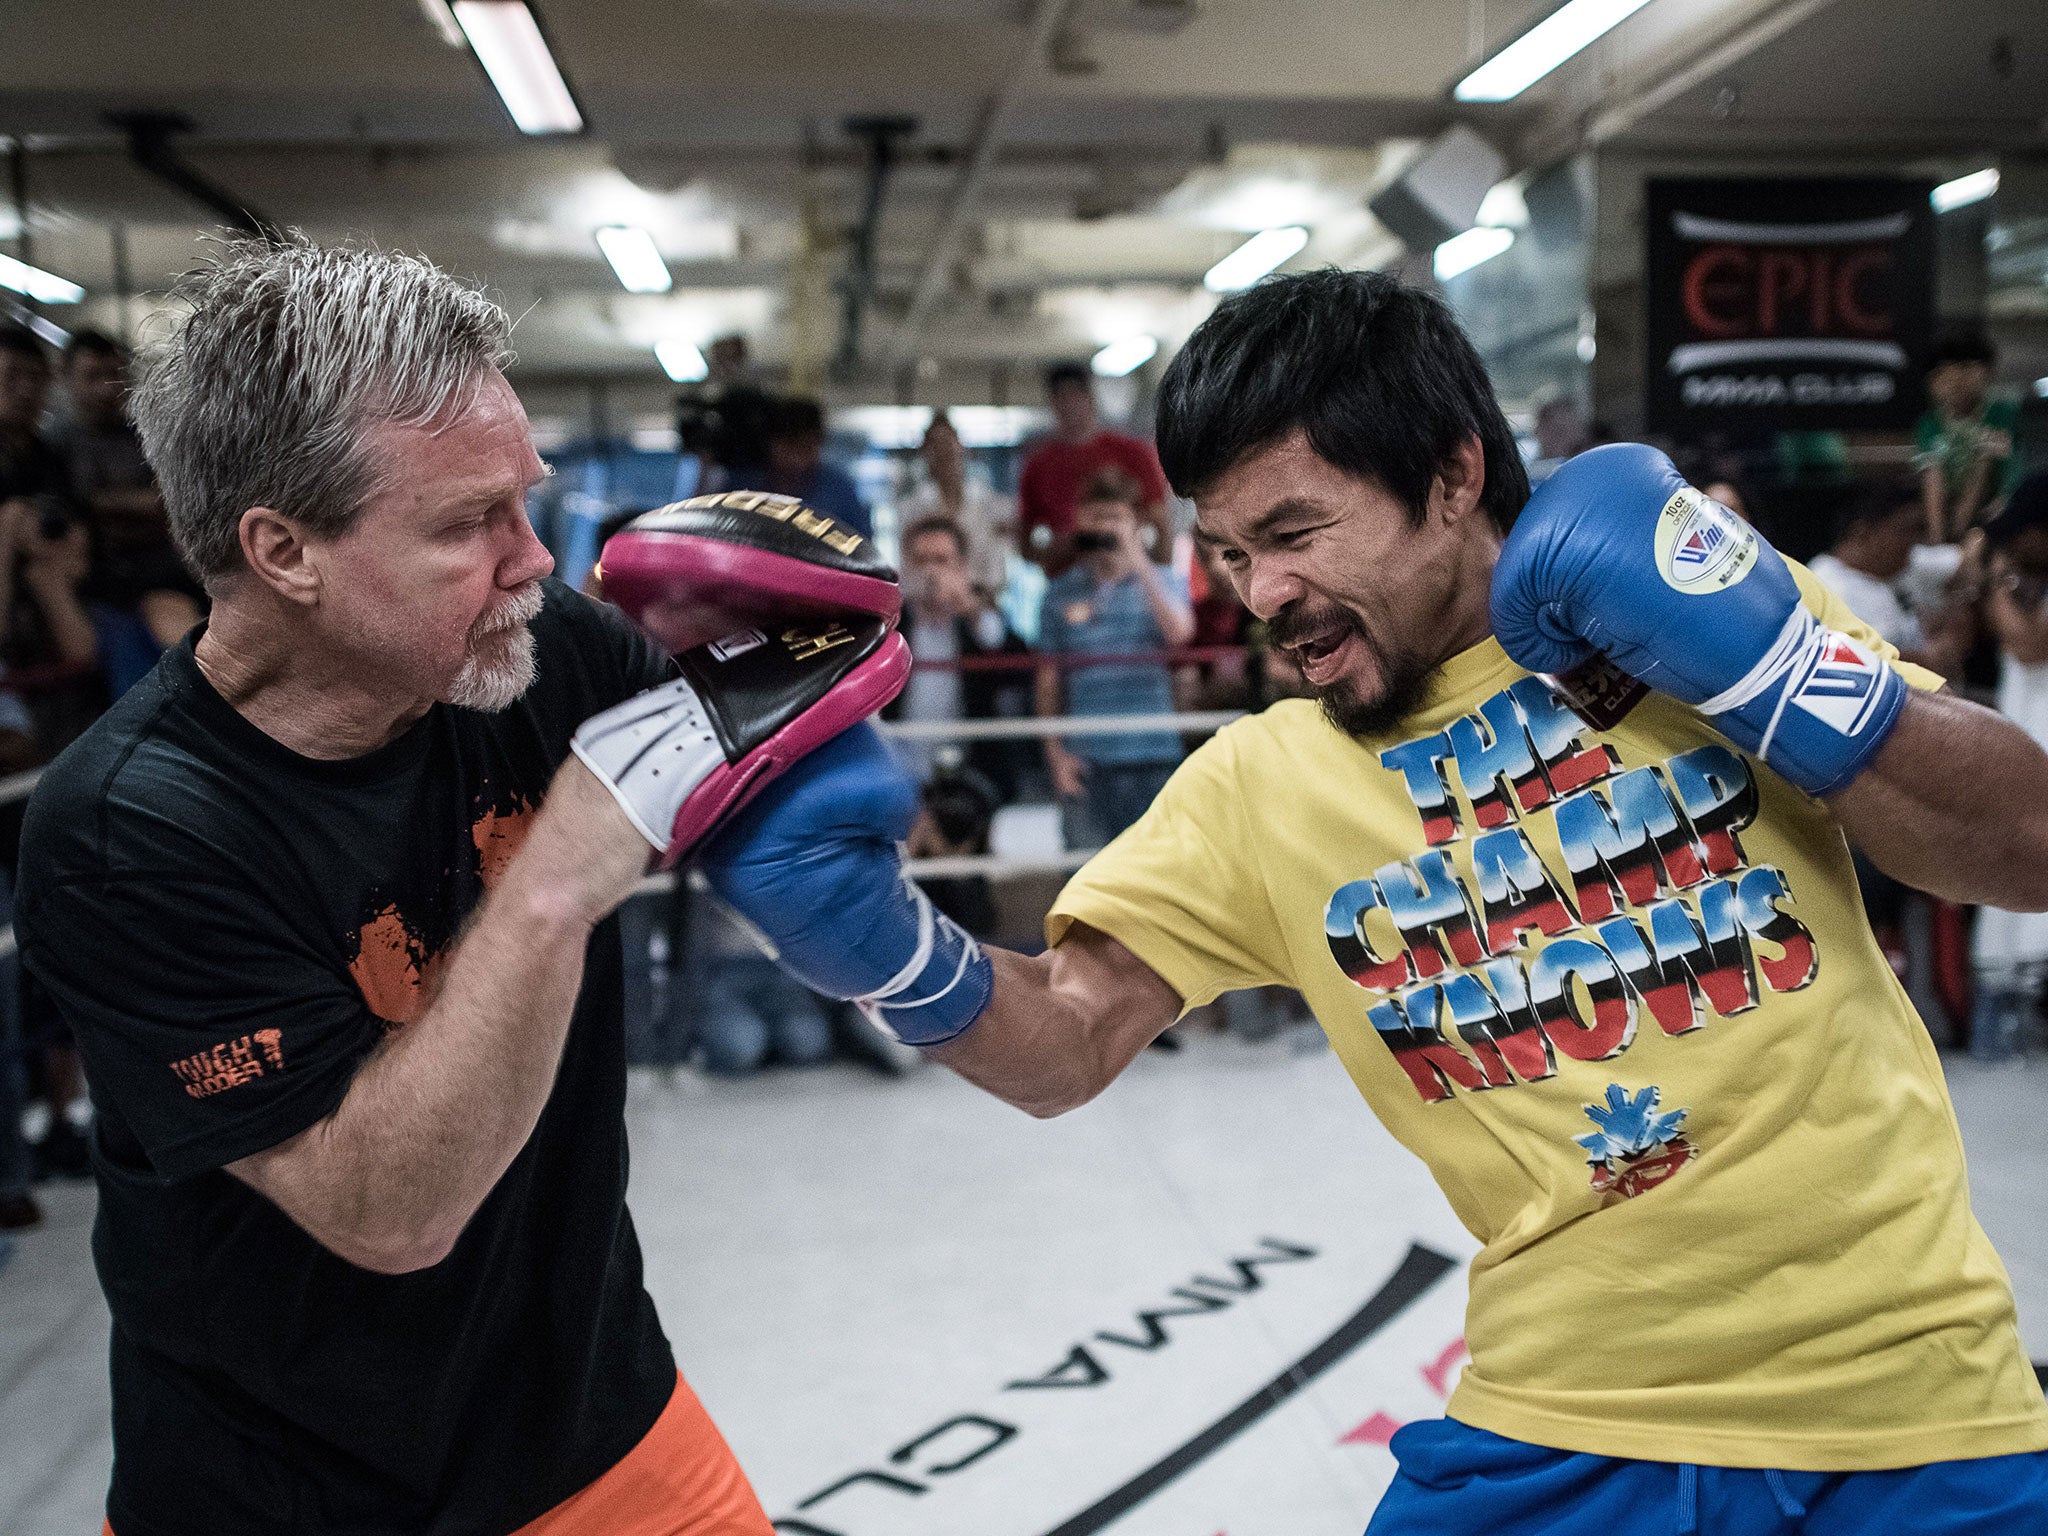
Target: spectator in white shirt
1873, 549
987, 520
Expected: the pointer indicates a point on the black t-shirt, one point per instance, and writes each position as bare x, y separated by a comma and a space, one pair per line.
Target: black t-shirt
231, 928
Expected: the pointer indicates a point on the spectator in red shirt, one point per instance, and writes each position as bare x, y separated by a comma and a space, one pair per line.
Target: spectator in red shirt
1061, 465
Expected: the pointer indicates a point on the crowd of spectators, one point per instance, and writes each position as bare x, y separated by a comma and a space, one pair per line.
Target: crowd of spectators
91, 592
1948, 562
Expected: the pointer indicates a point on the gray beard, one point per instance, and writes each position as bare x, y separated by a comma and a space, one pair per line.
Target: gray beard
498, 684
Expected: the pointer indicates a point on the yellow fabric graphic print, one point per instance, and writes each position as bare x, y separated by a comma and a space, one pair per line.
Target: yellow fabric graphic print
1615, 987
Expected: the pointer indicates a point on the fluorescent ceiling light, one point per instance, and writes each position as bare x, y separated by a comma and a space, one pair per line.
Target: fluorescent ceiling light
683, 361
507, 42
1461, 253
1125, 356
443, 21
1255, 258
44, 287
1543, 47
2041, 388
632, 253
1964, 190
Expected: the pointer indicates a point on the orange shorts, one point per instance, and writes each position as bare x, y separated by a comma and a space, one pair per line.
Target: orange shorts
680, 1480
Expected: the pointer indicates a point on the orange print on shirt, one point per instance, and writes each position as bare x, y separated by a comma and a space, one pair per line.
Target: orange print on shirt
397, 972
498, 835
393, 970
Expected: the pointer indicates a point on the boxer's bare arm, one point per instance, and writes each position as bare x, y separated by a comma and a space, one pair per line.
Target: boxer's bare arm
1060, 1026
1956, 804
433, 1118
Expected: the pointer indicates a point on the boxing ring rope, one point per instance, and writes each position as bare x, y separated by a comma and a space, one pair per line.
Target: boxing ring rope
1194, 723
17, 786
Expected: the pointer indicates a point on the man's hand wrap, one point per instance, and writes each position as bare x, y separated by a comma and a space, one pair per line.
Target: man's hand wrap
682, 758
705, 567
1615, 553
814, 864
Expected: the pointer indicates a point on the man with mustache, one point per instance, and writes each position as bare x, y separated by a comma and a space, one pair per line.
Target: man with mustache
1592, 951
328, 902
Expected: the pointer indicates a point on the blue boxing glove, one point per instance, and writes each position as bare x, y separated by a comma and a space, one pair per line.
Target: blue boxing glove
813, 863
1616, 554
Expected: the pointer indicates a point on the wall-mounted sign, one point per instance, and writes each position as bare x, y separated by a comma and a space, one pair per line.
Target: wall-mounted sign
1788, 304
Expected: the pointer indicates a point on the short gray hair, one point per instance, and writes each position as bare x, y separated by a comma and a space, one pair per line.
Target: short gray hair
264, 394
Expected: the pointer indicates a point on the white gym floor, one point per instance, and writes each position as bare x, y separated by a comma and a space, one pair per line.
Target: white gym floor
855, 1271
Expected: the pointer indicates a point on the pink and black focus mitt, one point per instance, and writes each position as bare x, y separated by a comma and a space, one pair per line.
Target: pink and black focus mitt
783, 625
707, 567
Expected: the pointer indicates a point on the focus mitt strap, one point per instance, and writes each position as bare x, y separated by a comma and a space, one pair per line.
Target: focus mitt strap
682, 758
711, 565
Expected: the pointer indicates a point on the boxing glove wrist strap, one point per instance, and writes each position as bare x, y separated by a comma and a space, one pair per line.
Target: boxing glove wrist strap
946, 960
1816, 707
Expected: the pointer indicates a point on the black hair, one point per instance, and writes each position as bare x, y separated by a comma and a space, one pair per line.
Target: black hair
935, 522
1875, 500
796, 416
1377, 375
93, 343
23, 342
1962, 344
2026, 507
1067, 373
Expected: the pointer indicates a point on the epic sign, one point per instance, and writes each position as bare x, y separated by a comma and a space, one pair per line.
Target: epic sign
1776, 303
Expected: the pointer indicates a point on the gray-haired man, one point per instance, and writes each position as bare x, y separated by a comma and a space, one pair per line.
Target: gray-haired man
348, 990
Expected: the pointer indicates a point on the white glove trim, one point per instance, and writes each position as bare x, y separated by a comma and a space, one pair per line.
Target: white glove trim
618, 746
1783, 654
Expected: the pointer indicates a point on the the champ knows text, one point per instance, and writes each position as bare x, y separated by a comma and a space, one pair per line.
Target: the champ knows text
1658, 911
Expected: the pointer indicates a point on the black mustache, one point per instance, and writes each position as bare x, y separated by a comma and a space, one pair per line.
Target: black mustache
1291, 626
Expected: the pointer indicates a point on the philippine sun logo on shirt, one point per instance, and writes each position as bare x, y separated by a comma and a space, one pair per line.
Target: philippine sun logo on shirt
1492, 965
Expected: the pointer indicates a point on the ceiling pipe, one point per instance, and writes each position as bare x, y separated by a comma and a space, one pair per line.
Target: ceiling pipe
1046, 23
149, 146
881, 135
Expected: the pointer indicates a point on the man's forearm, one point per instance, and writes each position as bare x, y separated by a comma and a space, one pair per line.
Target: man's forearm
1046, 698
1061, 1026
431, 1121
1955, 804
437, 1113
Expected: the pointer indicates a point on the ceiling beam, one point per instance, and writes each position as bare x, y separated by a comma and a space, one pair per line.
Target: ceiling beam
1046, 22
1596, 107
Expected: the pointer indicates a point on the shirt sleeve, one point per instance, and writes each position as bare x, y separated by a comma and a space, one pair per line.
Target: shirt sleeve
1826, 605
1183, 889
208, 1027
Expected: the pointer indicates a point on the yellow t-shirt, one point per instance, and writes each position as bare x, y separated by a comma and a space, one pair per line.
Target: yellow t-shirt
1618, 991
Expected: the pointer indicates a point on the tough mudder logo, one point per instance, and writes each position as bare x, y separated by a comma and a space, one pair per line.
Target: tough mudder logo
1656, 912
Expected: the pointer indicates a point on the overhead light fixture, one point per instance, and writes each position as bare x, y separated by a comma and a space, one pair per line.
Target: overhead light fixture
1543, 47
633, 255
2041, 388
1265, 251
1125, 356
1964, 190
1461, 253
443, 21
43, 287
506, 39
683, 361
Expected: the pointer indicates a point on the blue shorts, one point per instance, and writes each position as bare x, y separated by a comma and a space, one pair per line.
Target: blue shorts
1459, 1481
